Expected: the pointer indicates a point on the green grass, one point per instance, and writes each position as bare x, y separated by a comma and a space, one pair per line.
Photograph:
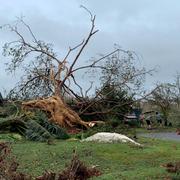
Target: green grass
116, 161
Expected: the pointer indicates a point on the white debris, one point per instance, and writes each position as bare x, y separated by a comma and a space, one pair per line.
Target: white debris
110, 138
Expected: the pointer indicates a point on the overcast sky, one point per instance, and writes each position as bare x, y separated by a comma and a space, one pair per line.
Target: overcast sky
151, 28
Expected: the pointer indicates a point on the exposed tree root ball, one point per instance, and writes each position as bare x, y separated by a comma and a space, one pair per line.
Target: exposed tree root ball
57, 111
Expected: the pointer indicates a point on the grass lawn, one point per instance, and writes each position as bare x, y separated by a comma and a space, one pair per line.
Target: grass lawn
116, 161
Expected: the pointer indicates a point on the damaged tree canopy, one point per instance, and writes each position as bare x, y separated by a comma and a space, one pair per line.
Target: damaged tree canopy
49, 79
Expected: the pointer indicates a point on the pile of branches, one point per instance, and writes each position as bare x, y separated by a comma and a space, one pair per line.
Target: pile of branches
77, 170
110, 102
8, 168
172, 167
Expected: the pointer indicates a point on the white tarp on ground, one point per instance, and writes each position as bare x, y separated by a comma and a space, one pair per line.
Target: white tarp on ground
110, 138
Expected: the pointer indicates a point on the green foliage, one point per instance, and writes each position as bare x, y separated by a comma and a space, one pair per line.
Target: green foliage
111, 103
36, 132
33, 126
55, 130
11, 137
11, 108
12, 124
28, 128
40, 129
115, 100
114, 122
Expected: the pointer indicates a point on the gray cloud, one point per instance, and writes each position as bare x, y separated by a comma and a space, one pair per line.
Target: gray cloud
151, 28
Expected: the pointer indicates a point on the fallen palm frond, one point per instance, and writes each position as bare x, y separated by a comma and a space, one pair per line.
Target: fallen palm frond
32, 127
55, 130
13, 124
36, 132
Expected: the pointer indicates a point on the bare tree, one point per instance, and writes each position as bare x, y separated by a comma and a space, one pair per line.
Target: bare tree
176, 89
163, 97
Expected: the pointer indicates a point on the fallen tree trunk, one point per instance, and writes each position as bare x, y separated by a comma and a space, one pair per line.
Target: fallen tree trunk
57, 111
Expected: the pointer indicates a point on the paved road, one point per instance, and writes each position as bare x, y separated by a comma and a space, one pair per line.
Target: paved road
162, 135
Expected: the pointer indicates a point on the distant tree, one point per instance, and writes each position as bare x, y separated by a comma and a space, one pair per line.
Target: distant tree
176, 89
163, 97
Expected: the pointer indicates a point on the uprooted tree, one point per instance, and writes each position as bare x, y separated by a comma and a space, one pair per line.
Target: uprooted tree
48, 78
121, 79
